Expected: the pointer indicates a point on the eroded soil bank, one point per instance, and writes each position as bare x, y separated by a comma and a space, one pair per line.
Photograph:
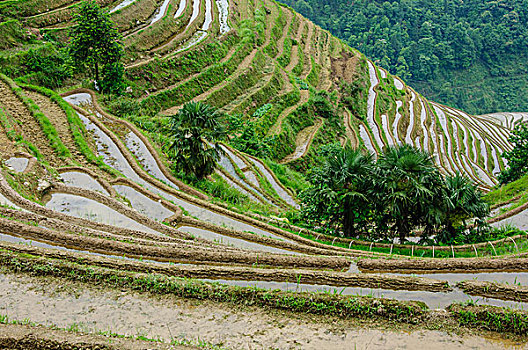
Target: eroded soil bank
448, 265
62, 303
25, 337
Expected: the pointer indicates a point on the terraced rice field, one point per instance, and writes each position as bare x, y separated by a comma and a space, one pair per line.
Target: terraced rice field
97, 188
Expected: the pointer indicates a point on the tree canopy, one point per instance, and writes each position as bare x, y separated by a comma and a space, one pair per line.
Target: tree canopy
353, 195
518, 157
195, 131
96, 42
426, 42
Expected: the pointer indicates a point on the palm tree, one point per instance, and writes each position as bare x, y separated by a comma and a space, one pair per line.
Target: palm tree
195, 130
339, 192
405, 187
462, 201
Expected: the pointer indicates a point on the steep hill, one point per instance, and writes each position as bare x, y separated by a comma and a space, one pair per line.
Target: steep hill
88, 196
296, 86
466, 54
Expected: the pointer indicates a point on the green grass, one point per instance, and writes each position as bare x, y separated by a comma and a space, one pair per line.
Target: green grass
76, 126
45, 124
508, 192
329, 304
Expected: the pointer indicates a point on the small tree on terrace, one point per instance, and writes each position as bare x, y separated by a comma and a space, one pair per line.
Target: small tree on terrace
195, 131
517, 157
96, 43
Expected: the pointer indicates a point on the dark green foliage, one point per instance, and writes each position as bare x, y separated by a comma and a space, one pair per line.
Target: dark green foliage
517, 157
339, 195
12, 34
47, 70
95, 42
461, 201
428, 42
195, 131
402, 191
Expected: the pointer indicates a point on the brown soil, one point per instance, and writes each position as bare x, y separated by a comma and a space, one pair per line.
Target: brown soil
349, 130
294, 53
291, 275
345, 67
447, 265
305, 136
276, 128
280, 44
29, 126
181, 254
26, 337
241, 327
312, 32
495, 290
57, 117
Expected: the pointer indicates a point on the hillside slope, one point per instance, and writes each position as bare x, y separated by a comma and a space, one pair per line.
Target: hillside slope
298, 86
87, 194
466, 54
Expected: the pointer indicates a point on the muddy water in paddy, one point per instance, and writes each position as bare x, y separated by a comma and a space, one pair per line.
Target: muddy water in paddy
235, 242
89, 209
113, 157
18, 164
122, 5
82, 180
276, 186
33, 243
223, 10
512, 278
434, 300
140, 150
519, 220
63, 303
143, 204
181, 8
161, 12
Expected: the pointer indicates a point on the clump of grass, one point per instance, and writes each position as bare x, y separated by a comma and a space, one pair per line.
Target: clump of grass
45, 124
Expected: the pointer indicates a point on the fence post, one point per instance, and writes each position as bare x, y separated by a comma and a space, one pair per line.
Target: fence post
475, 249
453, 251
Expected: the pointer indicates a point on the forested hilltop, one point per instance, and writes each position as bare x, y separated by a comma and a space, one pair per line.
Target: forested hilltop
468, 54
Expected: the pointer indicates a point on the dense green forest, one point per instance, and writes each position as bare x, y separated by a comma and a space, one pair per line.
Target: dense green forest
469, 54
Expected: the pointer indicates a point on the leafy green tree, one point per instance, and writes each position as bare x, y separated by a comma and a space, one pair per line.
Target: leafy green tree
95, 42
195, 131
517, 157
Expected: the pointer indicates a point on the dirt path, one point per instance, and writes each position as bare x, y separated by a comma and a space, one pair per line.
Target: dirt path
294, 50
349, 130
56, 116
275, 129
302, 141
325, 83
66, 304
289, 19
308, 50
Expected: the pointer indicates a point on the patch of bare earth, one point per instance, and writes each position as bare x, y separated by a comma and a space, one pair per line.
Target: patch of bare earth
91, 309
